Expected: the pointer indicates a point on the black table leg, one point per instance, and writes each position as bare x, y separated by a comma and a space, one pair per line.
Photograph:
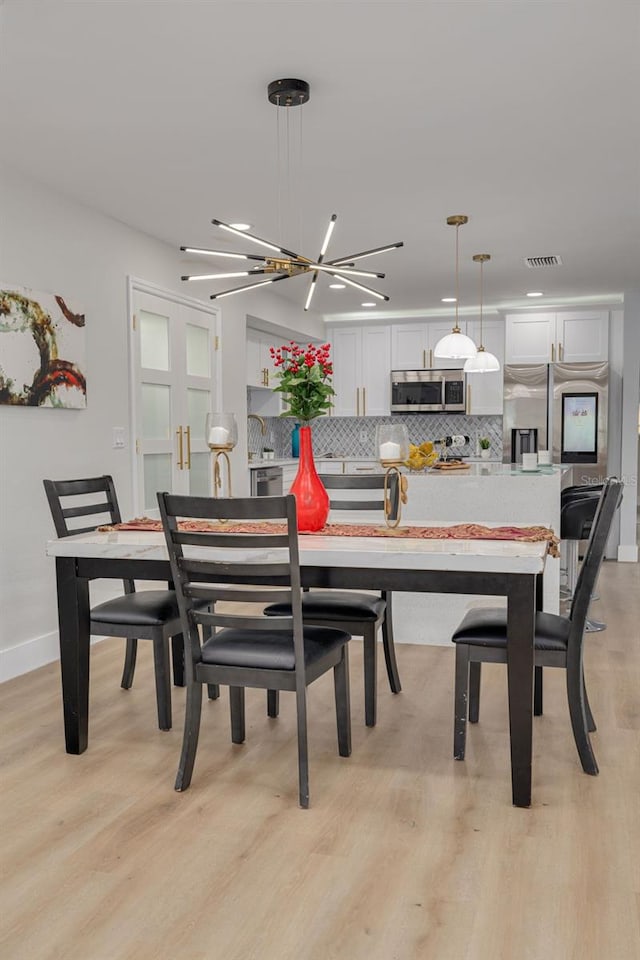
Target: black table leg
73, 625
521, 601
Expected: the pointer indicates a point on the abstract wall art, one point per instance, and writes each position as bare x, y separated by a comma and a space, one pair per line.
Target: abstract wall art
42, 350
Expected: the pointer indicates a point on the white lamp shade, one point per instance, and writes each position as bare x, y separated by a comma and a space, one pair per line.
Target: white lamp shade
483, 362
392, 442
455, 346
221, 431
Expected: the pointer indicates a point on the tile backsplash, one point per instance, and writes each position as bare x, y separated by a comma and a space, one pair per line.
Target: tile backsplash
355, 436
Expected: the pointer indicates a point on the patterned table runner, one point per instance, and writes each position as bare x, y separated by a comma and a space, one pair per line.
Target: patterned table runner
458, 531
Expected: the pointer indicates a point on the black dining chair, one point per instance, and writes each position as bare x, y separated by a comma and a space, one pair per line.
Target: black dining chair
248, 649
136, 615
482, 637
361, 614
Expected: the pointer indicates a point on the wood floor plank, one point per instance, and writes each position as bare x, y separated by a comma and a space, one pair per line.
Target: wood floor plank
404, 854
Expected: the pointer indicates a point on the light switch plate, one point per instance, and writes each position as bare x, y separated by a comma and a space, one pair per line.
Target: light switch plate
118, 441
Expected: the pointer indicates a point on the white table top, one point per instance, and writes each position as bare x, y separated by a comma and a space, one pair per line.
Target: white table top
489, 556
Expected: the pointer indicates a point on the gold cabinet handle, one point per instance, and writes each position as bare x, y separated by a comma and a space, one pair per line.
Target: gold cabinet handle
468, 400
424, 358
180, 450
430, 357
553, 352
364, 401
560, 351
357, 401
187, 430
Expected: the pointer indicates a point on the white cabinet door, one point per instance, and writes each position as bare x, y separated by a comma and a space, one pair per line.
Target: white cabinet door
375, 371
485, 390
361, 369
345, 353
582, 336
260, 368
530, 338
409, 346
174, 387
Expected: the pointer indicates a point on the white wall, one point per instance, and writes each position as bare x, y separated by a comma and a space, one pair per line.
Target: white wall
48, 243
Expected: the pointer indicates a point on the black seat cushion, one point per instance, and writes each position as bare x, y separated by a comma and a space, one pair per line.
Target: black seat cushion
487, 627
148, 608
269, 650
334, 605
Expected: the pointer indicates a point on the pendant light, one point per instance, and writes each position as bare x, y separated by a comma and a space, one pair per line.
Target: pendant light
483, 362
456, 345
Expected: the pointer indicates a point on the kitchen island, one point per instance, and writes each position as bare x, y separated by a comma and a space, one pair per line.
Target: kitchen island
483, 493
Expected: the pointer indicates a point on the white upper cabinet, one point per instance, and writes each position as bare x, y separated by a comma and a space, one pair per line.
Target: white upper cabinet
485, 390
260, 368
569, 336
361, 368
583, 336
530, 338
412, 345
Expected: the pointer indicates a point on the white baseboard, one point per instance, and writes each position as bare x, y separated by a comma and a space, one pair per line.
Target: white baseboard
25, 657
627, 553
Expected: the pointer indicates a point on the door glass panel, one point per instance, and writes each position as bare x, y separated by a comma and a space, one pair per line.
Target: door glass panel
197, 351
154, 340
156, 411
198, 408
157, 476
200, 475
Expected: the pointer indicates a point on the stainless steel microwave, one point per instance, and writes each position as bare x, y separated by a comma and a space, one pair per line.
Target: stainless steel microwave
428, 391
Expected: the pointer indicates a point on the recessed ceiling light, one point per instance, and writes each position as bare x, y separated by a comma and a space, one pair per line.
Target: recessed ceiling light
448, 300
535, 293
368, 304
338, 286
240, 226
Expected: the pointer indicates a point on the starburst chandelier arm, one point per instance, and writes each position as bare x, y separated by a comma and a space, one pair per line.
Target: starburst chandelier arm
226, 276
334, 271
258, 240
247, 286
340, 261
360, 286
327, 238
224, 253
312, 288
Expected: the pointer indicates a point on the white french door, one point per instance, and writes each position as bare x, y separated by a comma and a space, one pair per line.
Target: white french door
175, 384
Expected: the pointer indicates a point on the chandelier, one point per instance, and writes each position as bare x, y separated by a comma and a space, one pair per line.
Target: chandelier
456, 345
280, 263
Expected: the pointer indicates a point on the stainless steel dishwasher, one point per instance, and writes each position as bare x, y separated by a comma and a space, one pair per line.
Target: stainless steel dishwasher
266, 482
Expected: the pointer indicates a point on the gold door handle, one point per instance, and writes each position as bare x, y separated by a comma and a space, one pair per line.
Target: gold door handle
187, 430
364, 401
180, 450
560, 351
430, 357
553, 352
266, 376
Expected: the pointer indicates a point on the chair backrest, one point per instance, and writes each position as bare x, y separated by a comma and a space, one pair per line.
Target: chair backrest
220, 564
372, 482
609, 502
93, 497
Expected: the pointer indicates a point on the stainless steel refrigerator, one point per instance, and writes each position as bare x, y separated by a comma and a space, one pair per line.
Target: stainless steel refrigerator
561, 407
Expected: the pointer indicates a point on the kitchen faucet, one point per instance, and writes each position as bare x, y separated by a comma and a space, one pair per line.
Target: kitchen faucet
263, 430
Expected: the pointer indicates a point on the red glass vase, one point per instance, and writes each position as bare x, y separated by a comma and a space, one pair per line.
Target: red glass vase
312, 499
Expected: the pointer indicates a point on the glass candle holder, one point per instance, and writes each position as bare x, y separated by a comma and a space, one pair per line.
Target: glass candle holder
392, 443
221, 431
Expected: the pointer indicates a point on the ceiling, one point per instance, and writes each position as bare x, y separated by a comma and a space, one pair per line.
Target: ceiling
522, 115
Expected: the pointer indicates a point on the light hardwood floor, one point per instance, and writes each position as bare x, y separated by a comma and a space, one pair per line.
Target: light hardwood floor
404, 854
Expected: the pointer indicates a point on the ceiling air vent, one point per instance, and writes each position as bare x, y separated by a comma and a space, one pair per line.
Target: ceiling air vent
543, 261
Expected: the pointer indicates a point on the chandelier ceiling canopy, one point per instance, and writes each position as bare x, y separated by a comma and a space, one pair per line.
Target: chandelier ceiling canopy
280, 263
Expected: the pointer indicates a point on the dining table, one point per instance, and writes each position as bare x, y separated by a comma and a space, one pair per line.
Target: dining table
486, 567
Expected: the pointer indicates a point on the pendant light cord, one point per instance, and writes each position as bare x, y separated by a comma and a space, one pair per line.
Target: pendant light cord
481, 269
457, 281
